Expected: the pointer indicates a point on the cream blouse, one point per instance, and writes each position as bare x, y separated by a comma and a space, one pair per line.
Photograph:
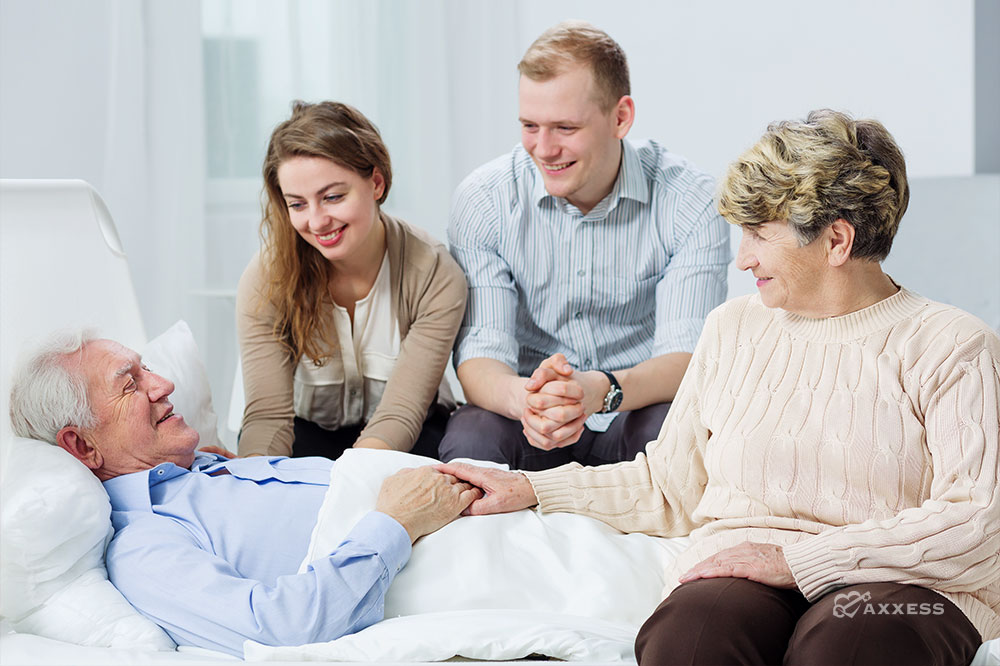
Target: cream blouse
346, 390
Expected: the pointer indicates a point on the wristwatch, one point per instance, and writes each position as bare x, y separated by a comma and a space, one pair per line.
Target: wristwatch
613, 399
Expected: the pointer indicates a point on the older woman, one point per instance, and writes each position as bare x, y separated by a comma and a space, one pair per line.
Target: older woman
833, 448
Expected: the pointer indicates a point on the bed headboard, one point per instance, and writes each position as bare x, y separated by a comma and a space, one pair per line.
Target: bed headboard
61, 265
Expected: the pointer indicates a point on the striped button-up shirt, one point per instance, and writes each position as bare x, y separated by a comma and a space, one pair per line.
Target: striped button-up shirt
632, 279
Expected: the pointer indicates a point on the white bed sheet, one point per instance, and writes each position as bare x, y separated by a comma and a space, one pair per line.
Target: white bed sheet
28, 650
492, 587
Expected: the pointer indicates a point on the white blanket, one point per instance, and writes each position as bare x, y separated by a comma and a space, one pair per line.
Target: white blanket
492, 587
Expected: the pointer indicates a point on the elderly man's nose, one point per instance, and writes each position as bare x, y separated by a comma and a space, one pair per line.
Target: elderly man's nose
159, 387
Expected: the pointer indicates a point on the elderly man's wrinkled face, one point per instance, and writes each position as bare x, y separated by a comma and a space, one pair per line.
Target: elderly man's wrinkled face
136, 425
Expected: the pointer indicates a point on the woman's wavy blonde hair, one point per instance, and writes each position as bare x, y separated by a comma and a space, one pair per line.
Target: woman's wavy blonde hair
296, 273
811, 173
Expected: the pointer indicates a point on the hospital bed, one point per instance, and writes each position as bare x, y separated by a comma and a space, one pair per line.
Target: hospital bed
492, 587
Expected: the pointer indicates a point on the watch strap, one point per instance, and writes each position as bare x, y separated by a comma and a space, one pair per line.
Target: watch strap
614, 396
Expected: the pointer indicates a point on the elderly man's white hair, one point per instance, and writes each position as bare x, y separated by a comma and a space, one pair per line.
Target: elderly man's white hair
45, 394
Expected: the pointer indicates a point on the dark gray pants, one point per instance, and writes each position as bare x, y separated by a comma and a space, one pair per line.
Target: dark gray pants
476, 433
737, 621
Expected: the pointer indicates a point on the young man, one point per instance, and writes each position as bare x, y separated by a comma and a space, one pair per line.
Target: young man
592, 263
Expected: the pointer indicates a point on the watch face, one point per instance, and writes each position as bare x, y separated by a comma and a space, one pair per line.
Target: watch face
614, 401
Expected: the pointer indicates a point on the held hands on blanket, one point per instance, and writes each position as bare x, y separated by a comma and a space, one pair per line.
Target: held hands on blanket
424, 500
761, 562
502, 491
559, 400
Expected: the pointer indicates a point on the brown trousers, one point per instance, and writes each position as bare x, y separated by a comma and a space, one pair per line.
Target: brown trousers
737, 621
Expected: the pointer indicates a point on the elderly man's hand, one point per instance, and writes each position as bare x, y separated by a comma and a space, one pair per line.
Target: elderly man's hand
761, 562
502, 491
424, 500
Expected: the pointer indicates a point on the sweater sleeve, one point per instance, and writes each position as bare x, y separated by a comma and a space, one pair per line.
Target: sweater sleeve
438, 306
267, 372
656, 493
951, 541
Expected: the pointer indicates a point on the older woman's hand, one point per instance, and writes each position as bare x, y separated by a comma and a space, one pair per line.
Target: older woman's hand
761, 562
502, 491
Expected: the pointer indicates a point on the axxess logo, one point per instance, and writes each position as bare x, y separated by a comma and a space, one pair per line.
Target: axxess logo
847, 604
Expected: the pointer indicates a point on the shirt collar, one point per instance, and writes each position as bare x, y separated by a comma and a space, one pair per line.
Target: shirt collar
130, 492
630, 184
631, 177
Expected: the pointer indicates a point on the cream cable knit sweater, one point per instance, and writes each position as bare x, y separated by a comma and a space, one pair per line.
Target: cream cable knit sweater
866, 445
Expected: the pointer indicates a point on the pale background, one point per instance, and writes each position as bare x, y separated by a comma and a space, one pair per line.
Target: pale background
165, 106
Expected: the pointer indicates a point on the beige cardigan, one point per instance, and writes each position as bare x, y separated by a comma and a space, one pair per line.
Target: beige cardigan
428, 297
866, 445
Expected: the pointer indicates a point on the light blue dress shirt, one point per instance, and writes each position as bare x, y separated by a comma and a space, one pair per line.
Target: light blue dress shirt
632, 279
214, 559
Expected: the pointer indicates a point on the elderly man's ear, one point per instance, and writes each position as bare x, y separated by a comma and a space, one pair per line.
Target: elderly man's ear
72, 439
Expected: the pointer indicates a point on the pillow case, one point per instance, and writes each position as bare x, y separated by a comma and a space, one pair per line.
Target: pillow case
57, 522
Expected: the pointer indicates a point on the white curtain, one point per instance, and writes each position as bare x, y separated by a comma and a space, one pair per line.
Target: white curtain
418, 70
110, 91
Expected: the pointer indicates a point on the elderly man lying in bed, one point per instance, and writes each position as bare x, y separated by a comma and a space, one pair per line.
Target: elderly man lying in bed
206, 546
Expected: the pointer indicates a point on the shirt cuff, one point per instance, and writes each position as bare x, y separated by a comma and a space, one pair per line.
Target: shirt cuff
386, 536
600, 422
679, 336
480, 342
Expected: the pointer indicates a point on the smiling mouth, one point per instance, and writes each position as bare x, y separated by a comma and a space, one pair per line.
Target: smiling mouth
555, 168
332, 237
166, 416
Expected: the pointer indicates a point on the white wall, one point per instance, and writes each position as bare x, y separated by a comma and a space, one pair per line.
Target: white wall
708, 76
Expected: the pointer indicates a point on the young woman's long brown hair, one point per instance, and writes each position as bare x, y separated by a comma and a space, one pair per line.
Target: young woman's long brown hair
298, 275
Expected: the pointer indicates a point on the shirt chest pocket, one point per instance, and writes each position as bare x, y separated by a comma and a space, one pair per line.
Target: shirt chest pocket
318, 392
377, 366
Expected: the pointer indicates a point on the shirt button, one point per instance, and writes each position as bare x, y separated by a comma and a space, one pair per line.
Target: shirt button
577, 314
586, 361
354, 392
581, 272
159, 472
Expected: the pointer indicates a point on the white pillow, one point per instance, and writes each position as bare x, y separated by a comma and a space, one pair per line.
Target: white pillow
557, 564
57, 523
174, 355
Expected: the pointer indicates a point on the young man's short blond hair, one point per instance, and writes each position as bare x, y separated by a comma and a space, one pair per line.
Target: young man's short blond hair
577, 42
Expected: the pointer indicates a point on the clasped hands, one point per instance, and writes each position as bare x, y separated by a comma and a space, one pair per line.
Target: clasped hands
557, 401
502, 491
